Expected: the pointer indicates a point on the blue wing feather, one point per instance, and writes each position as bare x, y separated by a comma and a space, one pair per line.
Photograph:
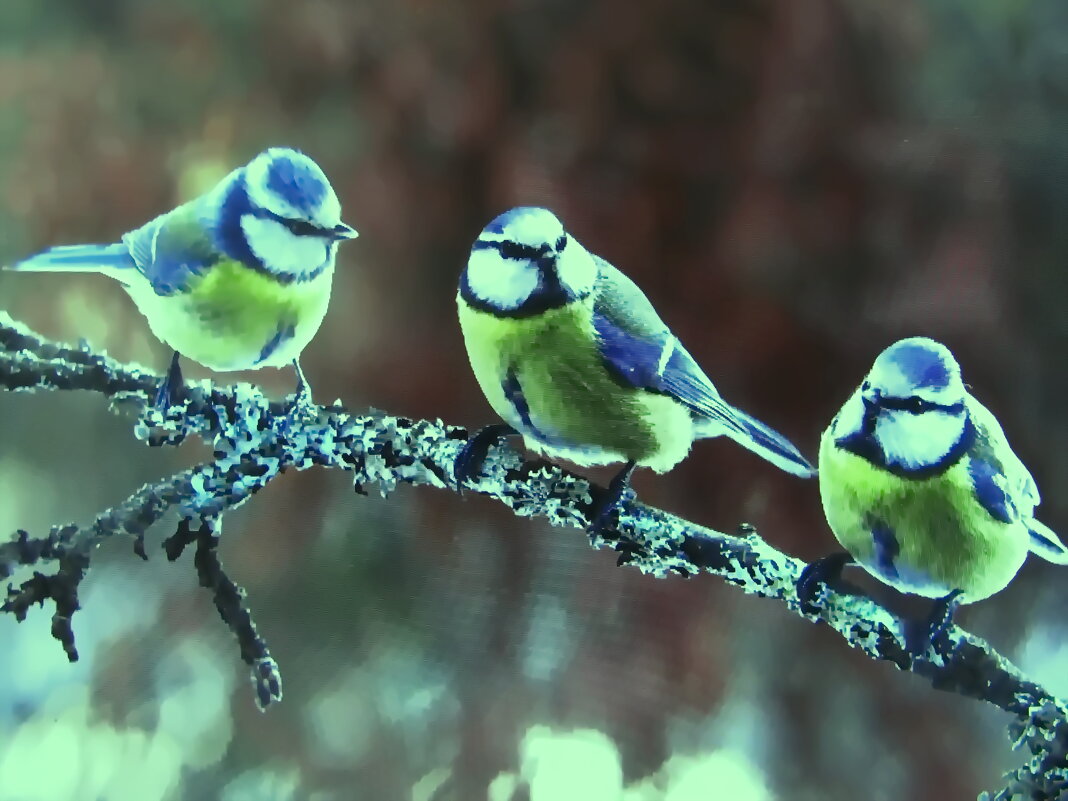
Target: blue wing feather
1003, 486
113, 260
1000, 482
1045, 543
990, 491
168, 252
642, 352
641, 362
633, 359
174, 248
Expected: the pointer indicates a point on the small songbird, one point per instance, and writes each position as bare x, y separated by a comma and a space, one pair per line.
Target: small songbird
921, 488
236, 279
573, 356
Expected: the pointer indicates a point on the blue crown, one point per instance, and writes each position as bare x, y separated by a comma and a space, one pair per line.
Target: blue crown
297, 181
922, 364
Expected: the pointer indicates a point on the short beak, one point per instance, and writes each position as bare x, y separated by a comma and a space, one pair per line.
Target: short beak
342, 231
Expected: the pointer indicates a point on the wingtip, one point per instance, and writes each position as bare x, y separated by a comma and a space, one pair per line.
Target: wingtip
779, 451
105, 259
768, 443
1046, 544
800, 467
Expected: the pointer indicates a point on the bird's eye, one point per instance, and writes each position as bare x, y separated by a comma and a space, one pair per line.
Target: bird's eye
517, 251
561, 243
915, 405
301, 227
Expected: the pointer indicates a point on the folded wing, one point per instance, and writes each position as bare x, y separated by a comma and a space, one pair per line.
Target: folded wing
1004, 487
172, 249
640, 349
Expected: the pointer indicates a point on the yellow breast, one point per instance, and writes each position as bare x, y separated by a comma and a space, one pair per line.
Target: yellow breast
925, 536
574, 407
235, 318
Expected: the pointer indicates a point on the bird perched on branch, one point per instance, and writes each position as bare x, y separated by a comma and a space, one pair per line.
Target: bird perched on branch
573, 356
921, 488
236, 279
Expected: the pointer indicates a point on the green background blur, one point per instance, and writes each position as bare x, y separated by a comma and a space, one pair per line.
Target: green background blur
795, 185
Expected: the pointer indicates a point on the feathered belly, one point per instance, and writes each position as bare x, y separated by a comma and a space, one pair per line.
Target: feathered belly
927, 536
237, 319
591, 429
545, 377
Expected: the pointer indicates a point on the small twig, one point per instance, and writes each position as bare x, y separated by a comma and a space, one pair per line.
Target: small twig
230, 601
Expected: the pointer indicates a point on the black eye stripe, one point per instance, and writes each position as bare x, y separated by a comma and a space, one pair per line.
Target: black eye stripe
295, 227
518, 251
302, 227
917, 405
515, 250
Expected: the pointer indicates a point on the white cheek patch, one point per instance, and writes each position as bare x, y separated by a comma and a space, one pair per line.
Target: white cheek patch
917, 440
280, 250
502, 283
576, 269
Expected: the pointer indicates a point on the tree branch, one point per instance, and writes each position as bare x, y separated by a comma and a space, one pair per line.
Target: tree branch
256, 440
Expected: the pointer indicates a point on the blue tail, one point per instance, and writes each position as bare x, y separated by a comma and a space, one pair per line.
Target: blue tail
763, 441
1046, 544
111, 260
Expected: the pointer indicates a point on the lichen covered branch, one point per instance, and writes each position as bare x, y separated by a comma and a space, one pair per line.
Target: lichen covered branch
255, 440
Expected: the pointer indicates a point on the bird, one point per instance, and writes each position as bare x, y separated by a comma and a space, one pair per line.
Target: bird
238, 278
571, 354
920, 486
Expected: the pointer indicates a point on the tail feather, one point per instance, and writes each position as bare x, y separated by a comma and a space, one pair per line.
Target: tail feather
763, 441
1045, 543
113, 260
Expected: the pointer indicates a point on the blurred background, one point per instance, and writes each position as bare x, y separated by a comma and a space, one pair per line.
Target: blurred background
795, 186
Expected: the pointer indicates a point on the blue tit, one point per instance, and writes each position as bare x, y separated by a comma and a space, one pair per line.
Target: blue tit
236, 279
573, 356
920, 486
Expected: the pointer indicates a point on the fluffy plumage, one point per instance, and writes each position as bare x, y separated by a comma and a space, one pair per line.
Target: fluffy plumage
920, 485
571, 353
238, 278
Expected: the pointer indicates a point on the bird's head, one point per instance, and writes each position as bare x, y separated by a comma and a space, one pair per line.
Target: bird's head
524, 263
292, 220
911, 406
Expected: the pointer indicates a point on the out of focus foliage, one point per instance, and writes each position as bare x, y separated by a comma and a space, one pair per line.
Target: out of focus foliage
795, 185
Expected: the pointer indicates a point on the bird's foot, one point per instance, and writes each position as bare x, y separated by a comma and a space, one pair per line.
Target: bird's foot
921, 633
468, 464
171, 387
302, 406
826, 570
611, 499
